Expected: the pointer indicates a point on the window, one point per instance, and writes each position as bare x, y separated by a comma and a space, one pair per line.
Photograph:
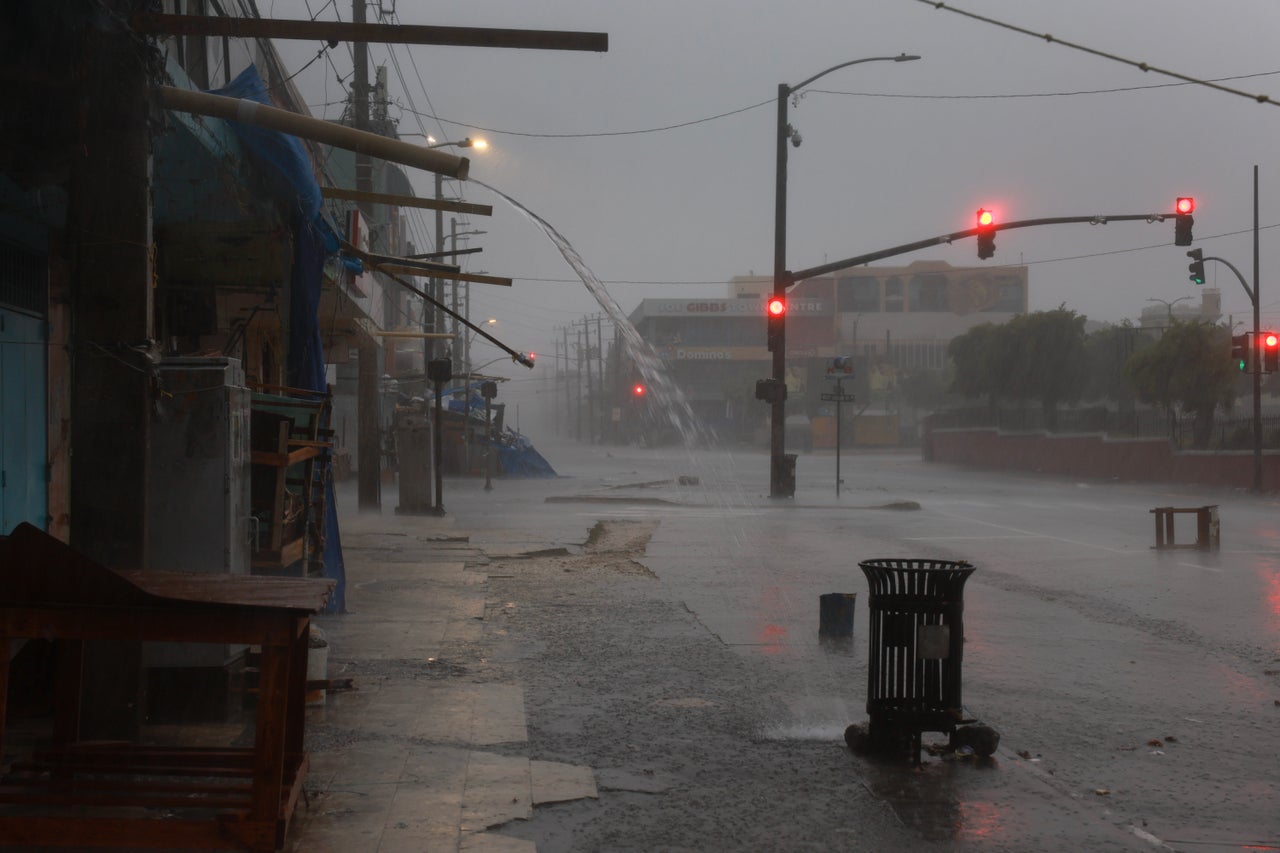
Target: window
928, 292
893, 294
1010, 296
858, 295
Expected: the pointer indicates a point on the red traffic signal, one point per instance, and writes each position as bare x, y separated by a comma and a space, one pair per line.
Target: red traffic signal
1270, 352
637, 390
1183, 220
776, 312
986, 233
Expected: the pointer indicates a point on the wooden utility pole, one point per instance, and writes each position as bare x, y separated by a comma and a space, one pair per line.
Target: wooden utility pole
568, 397
360, 32
600, 404
109, 244
368, 396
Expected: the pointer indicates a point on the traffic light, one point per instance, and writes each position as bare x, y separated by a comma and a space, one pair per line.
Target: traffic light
1240, 352
1270, 352
776, 311
1182, 221
986, 234
637, 390
1196, 266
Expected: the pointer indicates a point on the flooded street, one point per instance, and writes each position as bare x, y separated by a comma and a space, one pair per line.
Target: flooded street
1134, 689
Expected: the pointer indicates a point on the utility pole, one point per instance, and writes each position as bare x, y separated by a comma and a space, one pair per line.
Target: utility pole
1257, 336
368, 398
578, 387
109, 237
568, 430
600, 405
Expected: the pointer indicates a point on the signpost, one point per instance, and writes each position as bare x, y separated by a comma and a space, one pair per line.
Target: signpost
840, 367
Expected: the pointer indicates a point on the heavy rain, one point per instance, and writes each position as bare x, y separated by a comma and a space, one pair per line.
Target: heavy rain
578, 427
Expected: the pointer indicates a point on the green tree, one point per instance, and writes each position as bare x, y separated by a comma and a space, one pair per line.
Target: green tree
1106, 352
1189, 367
981, 365
1047, 354
1038, 356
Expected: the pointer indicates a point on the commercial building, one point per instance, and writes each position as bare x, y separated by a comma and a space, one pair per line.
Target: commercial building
888, 319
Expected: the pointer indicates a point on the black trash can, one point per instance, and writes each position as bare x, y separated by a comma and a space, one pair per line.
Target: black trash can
916, 648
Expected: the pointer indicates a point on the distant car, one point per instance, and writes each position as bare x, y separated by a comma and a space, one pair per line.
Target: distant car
799, 433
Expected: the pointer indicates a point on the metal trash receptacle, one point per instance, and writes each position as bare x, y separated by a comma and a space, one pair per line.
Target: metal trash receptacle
916, 629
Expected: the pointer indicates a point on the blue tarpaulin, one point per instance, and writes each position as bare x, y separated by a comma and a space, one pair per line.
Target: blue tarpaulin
287, 168
519, 459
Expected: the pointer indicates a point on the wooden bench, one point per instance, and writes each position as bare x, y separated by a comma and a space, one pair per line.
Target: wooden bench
123, 794
1207, 528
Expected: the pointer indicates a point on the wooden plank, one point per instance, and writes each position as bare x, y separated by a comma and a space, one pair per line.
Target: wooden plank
407, 201
69, 674
292, 457
269, 751
64, 831
405, 269
4, 692
286, 556
230, 625
199, 25
124, 797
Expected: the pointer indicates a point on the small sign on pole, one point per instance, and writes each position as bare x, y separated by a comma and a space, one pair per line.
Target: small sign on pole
840, 367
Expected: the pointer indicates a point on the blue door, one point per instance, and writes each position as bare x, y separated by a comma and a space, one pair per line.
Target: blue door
23, 455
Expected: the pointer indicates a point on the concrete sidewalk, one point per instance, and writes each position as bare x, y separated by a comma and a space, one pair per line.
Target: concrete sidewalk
426, 751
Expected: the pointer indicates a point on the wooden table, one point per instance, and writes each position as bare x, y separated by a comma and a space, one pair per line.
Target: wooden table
122, 794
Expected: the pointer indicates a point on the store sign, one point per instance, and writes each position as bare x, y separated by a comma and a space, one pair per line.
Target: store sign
675, 352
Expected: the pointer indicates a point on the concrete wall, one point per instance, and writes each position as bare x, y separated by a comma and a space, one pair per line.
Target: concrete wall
1094, 456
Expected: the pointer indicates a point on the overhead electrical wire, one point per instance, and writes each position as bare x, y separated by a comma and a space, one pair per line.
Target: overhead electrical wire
887, 95
1142, 66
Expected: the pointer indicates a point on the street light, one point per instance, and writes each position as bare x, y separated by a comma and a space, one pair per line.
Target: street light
781, 278
466, 142
437, 286
1169, 305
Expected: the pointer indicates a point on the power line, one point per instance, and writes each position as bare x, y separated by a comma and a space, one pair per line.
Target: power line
1142, 66
885, 95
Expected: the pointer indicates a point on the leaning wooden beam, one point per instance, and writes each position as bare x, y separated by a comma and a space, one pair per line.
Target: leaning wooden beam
407, 201
199, 25
418, 335
404, 269
339, 136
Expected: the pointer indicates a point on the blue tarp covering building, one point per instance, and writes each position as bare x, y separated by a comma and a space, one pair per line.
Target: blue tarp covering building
287, 168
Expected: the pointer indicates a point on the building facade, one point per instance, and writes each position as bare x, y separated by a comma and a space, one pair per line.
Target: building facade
888, 319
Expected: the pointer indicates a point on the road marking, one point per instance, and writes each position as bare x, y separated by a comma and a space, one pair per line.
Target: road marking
1148, 837
958, 538
1033, 533
1198, 566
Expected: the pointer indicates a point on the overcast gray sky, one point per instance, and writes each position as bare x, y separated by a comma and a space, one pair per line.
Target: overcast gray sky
892, 152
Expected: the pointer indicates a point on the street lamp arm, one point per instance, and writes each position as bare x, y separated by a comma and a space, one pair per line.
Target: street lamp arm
902, 57
1247, 289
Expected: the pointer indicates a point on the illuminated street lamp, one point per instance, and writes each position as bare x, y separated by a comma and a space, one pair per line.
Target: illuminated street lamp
781, 278
437, 286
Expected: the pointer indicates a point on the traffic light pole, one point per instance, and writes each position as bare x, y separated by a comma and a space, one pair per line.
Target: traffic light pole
946, 239
1255, 365
782, 279
778, 403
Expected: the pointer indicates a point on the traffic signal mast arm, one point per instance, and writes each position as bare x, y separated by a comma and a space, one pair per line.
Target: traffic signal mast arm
1253, 297
970, 232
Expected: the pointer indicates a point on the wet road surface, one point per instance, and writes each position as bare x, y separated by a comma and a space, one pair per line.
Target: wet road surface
1135, 690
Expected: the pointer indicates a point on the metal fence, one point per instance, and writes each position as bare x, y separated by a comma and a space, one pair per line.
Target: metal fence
1234, 433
